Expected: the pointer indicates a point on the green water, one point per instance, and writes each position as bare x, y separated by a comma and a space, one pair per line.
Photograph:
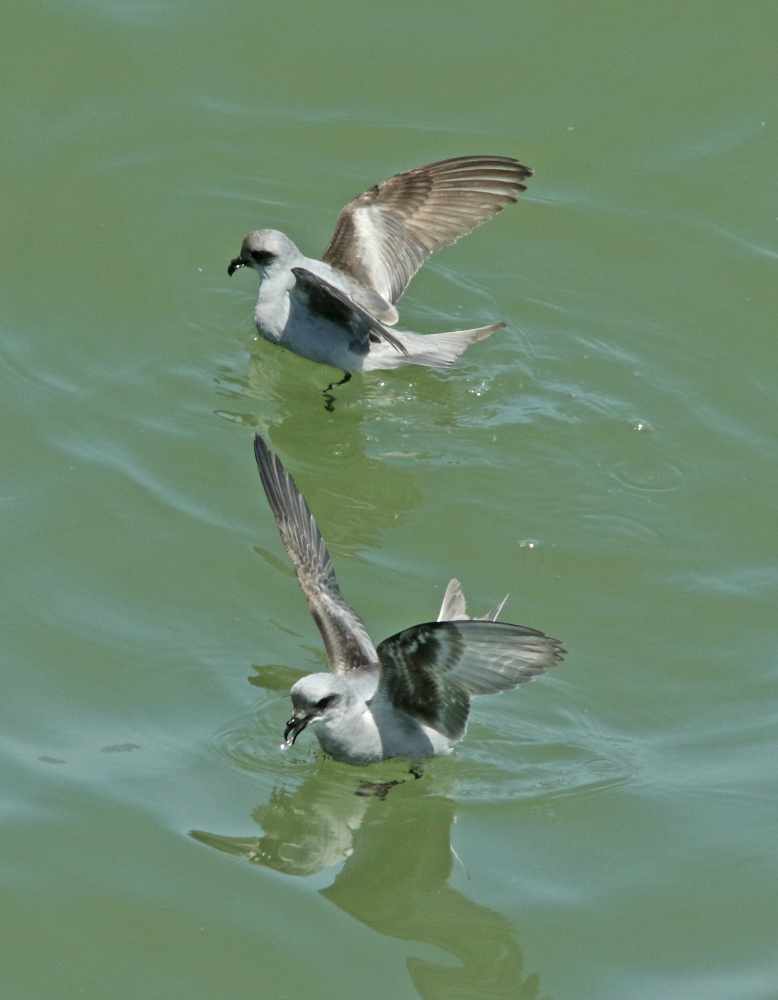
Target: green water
605, 833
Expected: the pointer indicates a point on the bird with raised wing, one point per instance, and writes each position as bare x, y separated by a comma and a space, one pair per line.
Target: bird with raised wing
340, 310
409, 696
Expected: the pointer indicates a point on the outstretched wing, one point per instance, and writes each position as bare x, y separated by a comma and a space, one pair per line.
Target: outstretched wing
384, 236
348, 645
431, 671
327, 300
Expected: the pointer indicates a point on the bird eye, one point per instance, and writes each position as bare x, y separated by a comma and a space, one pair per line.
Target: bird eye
325, 701
262, 256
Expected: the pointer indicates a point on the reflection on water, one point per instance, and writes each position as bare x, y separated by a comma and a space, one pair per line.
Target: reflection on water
354, 495
395, 880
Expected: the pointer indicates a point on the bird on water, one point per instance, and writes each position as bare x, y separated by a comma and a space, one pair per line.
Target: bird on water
409, 697
340, 310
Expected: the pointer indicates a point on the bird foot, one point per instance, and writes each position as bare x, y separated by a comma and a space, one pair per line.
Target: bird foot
329, 399
380, 789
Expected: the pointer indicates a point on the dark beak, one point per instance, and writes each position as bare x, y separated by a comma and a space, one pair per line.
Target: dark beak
235, 263
295, 726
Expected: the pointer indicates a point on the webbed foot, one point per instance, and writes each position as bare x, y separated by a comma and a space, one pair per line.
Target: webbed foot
329, 399
380, 789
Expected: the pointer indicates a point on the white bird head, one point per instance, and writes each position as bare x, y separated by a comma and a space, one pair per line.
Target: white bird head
317, 698
263, 248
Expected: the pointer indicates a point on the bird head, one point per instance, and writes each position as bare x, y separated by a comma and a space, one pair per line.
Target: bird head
261, 249
317, 698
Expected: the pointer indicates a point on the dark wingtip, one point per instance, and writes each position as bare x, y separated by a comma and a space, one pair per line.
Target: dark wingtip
263, 455
261, 450
270, 468
525, 173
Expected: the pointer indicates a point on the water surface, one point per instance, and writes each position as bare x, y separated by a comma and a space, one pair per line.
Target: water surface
609, 459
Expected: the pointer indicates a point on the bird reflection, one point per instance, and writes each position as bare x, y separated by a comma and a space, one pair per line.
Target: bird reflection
395, 880
369, 494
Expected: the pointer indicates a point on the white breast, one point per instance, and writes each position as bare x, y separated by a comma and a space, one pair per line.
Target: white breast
362, 737
272, 310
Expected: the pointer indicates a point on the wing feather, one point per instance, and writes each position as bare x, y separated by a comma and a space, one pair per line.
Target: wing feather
348, 645
432, 671
326, 299
384, 236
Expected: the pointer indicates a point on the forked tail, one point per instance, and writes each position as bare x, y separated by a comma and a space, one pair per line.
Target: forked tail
440, 350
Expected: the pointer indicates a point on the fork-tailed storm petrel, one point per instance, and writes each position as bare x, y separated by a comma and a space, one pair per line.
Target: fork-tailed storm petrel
340, 310
410, 696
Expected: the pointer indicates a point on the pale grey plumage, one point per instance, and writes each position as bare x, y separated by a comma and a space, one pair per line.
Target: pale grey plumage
410, 696
338, 310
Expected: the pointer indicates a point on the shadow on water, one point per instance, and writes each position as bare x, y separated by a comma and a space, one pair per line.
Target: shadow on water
395, 880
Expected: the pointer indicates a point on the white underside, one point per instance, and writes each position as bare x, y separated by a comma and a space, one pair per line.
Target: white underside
362, 736
285, 319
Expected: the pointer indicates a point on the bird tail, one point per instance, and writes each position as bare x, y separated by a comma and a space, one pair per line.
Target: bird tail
454, 607
440, 350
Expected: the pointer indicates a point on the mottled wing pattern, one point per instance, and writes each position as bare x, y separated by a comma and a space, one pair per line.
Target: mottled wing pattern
431, 671
348, 645
326, 300
384, 236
